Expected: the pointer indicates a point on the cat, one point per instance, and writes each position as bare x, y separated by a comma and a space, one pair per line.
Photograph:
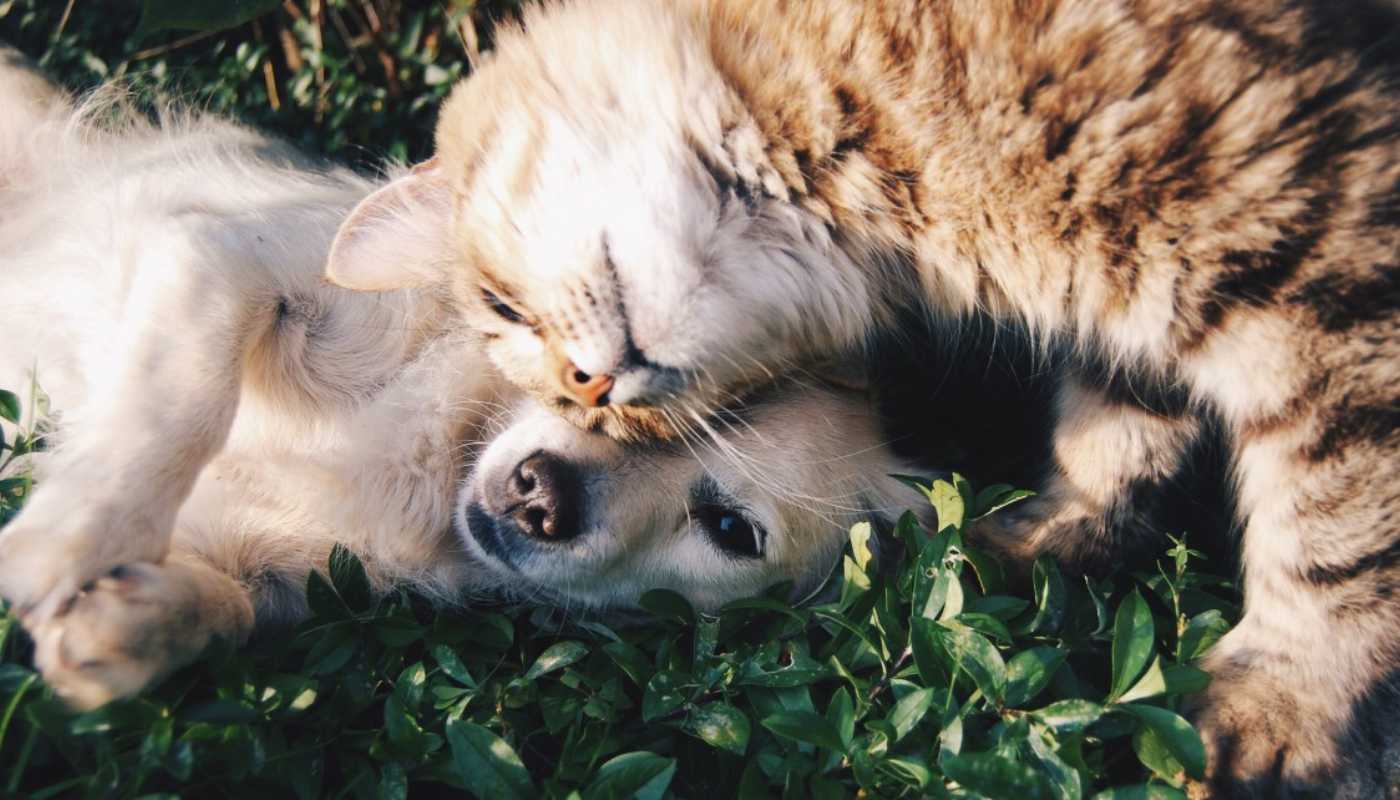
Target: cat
222, 419
651, 208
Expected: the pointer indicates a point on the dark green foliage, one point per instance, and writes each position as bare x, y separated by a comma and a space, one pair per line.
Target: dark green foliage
938, 679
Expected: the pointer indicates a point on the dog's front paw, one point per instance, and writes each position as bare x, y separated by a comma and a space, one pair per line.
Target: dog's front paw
133, 626
56, 546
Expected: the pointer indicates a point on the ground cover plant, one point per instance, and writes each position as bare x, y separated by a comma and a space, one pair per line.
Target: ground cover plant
943, 675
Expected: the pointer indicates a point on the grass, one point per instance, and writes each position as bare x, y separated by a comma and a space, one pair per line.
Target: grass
944, 677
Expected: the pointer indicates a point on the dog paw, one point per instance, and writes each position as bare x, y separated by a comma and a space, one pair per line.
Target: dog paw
130, 628
54, 548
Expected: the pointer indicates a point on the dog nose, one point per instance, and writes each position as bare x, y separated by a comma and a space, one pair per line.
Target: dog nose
543, 496
590, 390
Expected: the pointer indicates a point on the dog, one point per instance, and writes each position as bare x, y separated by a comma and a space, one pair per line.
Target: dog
222, 418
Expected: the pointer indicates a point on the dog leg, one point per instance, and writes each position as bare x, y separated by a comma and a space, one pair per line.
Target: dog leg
161, 397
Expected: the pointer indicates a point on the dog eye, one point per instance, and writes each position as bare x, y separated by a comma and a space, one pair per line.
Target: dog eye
502, 309
730, 531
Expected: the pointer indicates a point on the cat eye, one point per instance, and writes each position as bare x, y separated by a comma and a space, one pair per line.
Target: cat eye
730, 531
502, 309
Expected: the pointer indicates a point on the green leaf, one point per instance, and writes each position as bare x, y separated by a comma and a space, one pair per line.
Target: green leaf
452, 665
842, 716
805, 726
1065, 780
663, 694
860, 544
1153, 752
632, 661
996, 497
201, 15
1202, 631
323, 598
1051, 598
930, 657
393, 782
641, 775
977, 657
349, 578
932, 579
487, 766
801, 670
910, 709
1029, 672
1070, 716
9, 406
1176, 734
991, 775
1132, 642
1173, 680
948, 502
556, 657
721, 725
667, 604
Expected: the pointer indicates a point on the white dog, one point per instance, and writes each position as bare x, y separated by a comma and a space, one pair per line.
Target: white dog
224, 417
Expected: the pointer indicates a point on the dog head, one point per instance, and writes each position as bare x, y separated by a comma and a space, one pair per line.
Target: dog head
747, 500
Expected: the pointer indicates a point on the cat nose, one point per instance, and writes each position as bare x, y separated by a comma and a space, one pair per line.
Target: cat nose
543, 494
588, 390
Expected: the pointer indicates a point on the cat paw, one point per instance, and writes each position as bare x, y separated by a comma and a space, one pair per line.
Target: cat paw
1076, 536
130, 628
1263, 740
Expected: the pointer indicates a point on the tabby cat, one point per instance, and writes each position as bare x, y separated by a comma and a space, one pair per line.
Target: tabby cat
653, 207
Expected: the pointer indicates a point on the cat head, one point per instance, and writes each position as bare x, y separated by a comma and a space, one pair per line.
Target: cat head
602, 211
559, 515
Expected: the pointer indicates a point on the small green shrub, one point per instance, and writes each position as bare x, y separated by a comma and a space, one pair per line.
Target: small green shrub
941, 678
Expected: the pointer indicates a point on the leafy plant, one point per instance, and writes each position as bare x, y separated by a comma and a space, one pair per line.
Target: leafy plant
941, 678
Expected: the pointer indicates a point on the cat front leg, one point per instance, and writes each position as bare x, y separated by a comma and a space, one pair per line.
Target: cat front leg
1302, 699
1103, 483
162, 367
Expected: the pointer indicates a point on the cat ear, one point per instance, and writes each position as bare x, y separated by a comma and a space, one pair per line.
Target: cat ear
398, 236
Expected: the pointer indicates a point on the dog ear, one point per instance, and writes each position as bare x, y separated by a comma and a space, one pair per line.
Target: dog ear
398, 236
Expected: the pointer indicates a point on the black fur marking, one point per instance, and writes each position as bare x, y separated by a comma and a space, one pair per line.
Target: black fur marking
1028, 95
1385, 213
727, 184
1059, 135
1164, 396
1355, 424
1157, 71
632, 356
1336, 575
1253, 277
1340, 305
1071, 183
846, 99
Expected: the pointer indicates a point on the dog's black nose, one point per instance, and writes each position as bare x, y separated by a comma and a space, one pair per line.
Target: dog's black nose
543, 495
